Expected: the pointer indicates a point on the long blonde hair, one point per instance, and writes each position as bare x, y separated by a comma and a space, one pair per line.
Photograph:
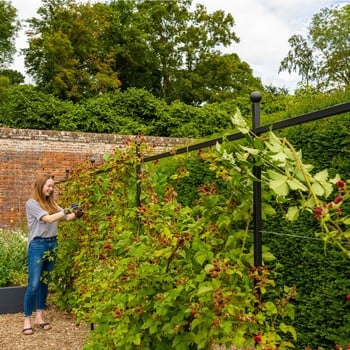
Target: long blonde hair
47, 203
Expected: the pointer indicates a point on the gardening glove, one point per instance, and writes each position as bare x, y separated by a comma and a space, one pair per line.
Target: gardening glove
74, 206
78, 213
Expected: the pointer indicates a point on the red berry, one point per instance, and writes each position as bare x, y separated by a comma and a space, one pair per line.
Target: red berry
318, 210
337, 199
107, 246
348, 299
340, 183
257, 338
181, 241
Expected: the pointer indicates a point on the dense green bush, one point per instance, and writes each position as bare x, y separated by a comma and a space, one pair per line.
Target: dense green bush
134, 111
319, 273
321, 277
13, 257
170, 274
166, 274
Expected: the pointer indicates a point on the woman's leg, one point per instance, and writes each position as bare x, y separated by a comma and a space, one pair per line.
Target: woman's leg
35, 265
40, 259
35, 253
42, 292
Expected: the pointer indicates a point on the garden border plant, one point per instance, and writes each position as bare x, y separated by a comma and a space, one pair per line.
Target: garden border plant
168, 275
13, 270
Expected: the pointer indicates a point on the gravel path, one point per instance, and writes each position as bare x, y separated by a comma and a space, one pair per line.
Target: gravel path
64, 335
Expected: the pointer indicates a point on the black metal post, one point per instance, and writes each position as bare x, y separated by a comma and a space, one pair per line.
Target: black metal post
138, 173
255, 97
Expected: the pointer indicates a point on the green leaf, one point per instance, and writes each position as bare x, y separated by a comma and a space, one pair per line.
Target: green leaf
322, 175
346, 221
137, 339
166, 252
240, 123
273, 175
295, 184
318, 189
258, 144
328, 188
274, 143
292, 213
285, 328
249, 150
279, 157
196, 322
268, 256
268, 209
205, 289
271, 308
280, 187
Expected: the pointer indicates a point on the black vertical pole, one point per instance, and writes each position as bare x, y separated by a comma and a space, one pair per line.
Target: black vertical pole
255, 97
138, 173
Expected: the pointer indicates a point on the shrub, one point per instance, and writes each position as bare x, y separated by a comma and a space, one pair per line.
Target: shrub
166, 275
13, 257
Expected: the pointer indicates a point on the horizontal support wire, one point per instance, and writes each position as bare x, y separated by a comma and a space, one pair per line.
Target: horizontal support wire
294, 236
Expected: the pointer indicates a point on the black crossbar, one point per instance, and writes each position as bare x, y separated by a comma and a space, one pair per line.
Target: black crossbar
305, 118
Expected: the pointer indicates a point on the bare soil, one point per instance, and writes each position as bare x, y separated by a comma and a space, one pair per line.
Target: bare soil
64, 335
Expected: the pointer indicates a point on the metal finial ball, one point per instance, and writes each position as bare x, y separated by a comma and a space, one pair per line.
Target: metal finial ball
255, 96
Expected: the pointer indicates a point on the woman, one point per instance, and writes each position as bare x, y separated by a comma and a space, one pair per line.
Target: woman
43, 213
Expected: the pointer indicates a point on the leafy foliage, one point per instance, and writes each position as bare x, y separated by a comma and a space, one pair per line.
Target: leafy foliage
133, 111
80, 50
167, 274
321, 58
27, 108
13, 258
65, 55
320, 277
9, 28
14, 76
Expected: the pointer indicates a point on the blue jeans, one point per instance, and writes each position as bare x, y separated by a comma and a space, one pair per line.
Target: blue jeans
41, 260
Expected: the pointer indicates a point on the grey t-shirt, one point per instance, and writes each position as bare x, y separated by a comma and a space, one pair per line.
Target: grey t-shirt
37, 227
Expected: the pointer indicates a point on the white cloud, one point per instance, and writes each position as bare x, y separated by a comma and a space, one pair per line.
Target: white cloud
264, 27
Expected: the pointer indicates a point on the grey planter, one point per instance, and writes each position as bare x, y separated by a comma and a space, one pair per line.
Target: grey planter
11, 299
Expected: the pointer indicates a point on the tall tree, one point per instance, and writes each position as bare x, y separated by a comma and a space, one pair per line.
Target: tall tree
181, 39
9, 26
322, 58
15, 77
78, 50
216, 78
66, 54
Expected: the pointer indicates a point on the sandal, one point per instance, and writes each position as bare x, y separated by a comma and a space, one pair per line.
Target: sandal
28, 331
45, 326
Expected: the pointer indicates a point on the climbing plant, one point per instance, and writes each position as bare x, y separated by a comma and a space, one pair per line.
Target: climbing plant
170, 275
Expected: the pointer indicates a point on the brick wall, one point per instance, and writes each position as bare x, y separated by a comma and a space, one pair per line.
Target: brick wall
25, 152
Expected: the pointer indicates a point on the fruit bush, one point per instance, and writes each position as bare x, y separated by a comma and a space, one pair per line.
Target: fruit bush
168, 275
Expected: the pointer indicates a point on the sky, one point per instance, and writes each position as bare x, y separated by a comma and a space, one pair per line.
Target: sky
263, 26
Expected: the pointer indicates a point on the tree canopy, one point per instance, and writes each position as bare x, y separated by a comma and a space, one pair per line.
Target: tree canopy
79, 50
322, 58
9, 26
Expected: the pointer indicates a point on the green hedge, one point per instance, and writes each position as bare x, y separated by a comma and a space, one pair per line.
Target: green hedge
320, 275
